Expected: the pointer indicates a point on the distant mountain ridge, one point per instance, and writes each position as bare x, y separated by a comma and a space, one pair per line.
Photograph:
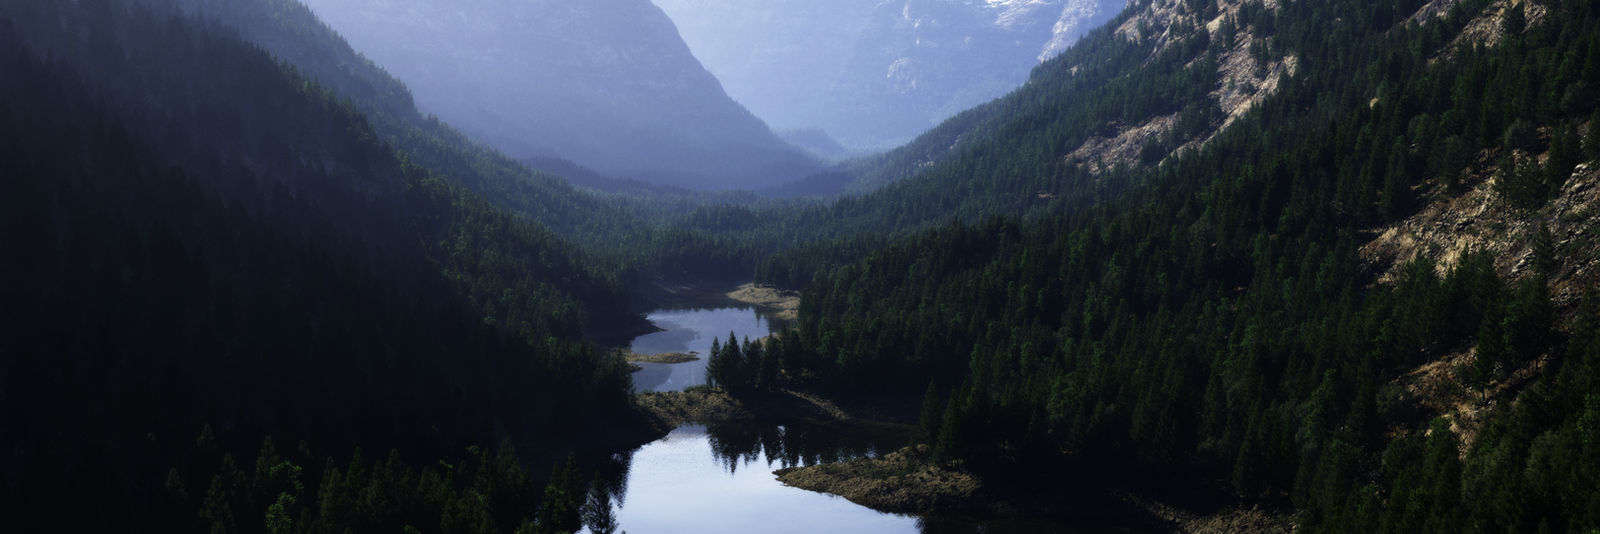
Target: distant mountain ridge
607, 84
877, 74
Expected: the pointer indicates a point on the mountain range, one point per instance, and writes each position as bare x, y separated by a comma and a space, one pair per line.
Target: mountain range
606, 84
874, 74
1237, 265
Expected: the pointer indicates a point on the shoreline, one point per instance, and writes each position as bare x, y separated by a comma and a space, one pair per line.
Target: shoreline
903, 482
665, 357
782, 304
900, 482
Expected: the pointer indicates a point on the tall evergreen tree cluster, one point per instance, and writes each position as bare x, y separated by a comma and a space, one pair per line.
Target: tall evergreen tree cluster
750, 365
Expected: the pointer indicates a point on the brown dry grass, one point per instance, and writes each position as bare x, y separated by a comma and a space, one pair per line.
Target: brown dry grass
784, 303
665, 357
899, 482
696, 406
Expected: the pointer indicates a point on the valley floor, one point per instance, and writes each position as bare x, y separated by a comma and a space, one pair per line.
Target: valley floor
904, 482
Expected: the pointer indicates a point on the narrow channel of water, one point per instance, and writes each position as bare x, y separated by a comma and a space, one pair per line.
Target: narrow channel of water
720, 478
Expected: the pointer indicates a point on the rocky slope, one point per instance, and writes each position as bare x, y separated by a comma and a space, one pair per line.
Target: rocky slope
875, 74
607, 84
1476, 215
1245, 78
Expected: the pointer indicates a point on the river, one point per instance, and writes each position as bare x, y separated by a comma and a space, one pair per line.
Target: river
719, 478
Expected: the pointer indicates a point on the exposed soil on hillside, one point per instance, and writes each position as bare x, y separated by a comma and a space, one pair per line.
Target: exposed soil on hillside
1476, 219
1244, 81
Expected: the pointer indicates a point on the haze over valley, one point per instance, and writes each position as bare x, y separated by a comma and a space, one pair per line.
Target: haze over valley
937, 266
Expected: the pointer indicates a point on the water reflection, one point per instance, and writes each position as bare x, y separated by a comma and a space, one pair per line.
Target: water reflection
700, 479
719, 478
690, 330
799, 444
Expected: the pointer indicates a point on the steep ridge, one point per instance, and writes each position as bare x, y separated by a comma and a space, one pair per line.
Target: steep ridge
1258, 316
200, 238
617, 229
290, 31
606, 84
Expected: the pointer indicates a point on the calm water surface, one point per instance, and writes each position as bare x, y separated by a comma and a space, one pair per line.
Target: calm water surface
693, 481
719, 478
691, 331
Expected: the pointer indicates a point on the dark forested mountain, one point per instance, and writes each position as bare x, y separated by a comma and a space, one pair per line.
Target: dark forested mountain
1199, 297
1335, 257
200, 241
619, 231
607, 84
876, 74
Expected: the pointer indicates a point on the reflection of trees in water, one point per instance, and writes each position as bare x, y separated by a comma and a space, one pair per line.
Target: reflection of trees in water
790, 445
610, 484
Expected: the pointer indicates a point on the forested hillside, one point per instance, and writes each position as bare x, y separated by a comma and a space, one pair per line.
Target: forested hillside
1013, 156
1331, 257
1206, 315
201, 241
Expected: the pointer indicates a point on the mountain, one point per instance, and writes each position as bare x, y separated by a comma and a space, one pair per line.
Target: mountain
1331, 262
606, 84
207, 250
876, 74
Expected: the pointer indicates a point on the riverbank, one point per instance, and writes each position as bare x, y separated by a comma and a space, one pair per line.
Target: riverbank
708, 405
901, 482
782, 304
665, 357
904, 482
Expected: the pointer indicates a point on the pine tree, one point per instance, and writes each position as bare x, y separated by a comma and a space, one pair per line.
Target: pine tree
932, 412
953, 438
1591, 142
561, 509
597, 512
1565, 154
1544, 252
1515, 21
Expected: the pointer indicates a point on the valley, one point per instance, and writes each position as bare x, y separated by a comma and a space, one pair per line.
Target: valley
326, 266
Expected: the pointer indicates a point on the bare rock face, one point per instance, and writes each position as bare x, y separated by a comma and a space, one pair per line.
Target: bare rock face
1477, 219
1245, 80
607, 84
